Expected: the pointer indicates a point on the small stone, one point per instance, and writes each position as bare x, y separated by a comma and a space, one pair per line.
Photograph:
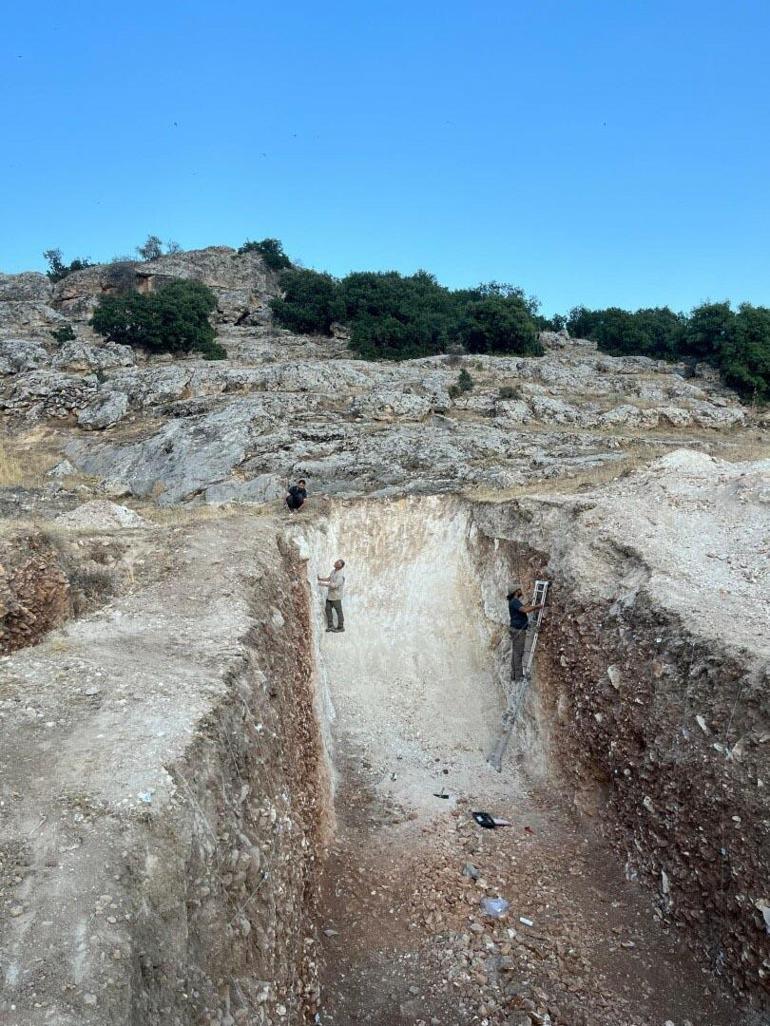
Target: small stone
15, 910
89, 999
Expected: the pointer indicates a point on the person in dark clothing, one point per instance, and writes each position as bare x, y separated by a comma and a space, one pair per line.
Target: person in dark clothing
297, 495
519, 623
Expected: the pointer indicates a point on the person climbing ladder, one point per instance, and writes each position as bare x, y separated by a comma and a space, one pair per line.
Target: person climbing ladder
519, 624
335, 583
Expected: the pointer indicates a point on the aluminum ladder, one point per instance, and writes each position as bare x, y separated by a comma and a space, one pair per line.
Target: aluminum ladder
518, 689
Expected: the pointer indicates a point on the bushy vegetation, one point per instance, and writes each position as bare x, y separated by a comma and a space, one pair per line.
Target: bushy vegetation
63, 334
152, 248
271, 251
393, 316
465, 383
57, 269
175, 319
737, 343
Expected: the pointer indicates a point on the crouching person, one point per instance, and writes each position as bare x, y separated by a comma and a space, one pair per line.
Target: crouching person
297, 495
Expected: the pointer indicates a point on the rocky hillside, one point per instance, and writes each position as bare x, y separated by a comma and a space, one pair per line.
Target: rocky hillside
285, 405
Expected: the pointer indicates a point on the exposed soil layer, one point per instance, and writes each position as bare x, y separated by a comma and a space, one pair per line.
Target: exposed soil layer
669, 742
164, 798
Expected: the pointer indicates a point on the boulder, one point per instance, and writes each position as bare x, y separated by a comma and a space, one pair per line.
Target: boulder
675, 416
515, 410
624, 414
241, 282
554, 411
717, 415
151, 384
62, 469
45, 393
28, 317
19, 354
25, 288
107, 409
80, 356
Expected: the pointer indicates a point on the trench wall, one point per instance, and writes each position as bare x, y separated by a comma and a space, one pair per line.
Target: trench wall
166, 802
663, 739
245, 849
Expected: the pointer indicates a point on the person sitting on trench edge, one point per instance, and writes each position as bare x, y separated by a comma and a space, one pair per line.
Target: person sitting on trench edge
519, 624
297, 495
335, 582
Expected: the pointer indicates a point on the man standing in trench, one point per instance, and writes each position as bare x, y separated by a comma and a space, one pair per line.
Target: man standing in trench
519, 624
335, 582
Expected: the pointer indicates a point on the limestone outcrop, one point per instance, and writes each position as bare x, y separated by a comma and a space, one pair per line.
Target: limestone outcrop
284, 405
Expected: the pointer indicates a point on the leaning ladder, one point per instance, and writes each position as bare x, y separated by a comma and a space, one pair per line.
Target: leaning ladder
517, 693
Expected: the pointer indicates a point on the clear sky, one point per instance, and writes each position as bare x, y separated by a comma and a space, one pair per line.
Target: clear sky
611, 152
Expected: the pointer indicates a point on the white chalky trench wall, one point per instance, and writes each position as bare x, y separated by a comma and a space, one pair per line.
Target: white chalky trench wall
417, 679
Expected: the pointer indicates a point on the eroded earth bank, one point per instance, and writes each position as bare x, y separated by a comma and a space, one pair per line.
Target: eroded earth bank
214, 811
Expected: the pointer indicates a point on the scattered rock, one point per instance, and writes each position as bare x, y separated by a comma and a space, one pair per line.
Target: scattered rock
100, 515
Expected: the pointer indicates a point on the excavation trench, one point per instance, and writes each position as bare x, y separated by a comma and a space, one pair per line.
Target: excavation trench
213, 798
411, 697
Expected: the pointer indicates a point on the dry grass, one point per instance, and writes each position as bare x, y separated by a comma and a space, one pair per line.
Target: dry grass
184, 514
568, 483
754, 446
25, 459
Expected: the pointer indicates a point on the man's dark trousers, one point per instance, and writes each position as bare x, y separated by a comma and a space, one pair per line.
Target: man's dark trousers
336, 606
518, 640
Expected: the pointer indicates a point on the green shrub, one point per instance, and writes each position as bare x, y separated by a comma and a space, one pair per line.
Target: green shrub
736, 343
63, 334
172, 320
271, 251
499, 324
709, 328
509, 392
152, 248
57, 269
310, 303
744, 355
465, 383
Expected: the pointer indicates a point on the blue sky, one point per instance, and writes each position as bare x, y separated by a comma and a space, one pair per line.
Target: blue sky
610, 153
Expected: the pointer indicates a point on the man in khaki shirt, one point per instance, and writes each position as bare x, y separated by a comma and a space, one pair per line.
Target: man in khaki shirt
335, 583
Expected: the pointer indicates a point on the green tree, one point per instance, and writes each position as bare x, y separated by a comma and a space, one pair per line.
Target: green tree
175, 319
57, 269
499, 324
397, 317
581, 322
271, 251
152, 248
744, 356
310, 302
656, 332
709, 329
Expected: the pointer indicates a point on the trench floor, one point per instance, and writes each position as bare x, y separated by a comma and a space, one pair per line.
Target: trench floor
406, 942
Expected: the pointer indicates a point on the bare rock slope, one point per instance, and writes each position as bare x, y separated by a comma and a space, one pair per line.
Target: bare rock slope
284, 405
